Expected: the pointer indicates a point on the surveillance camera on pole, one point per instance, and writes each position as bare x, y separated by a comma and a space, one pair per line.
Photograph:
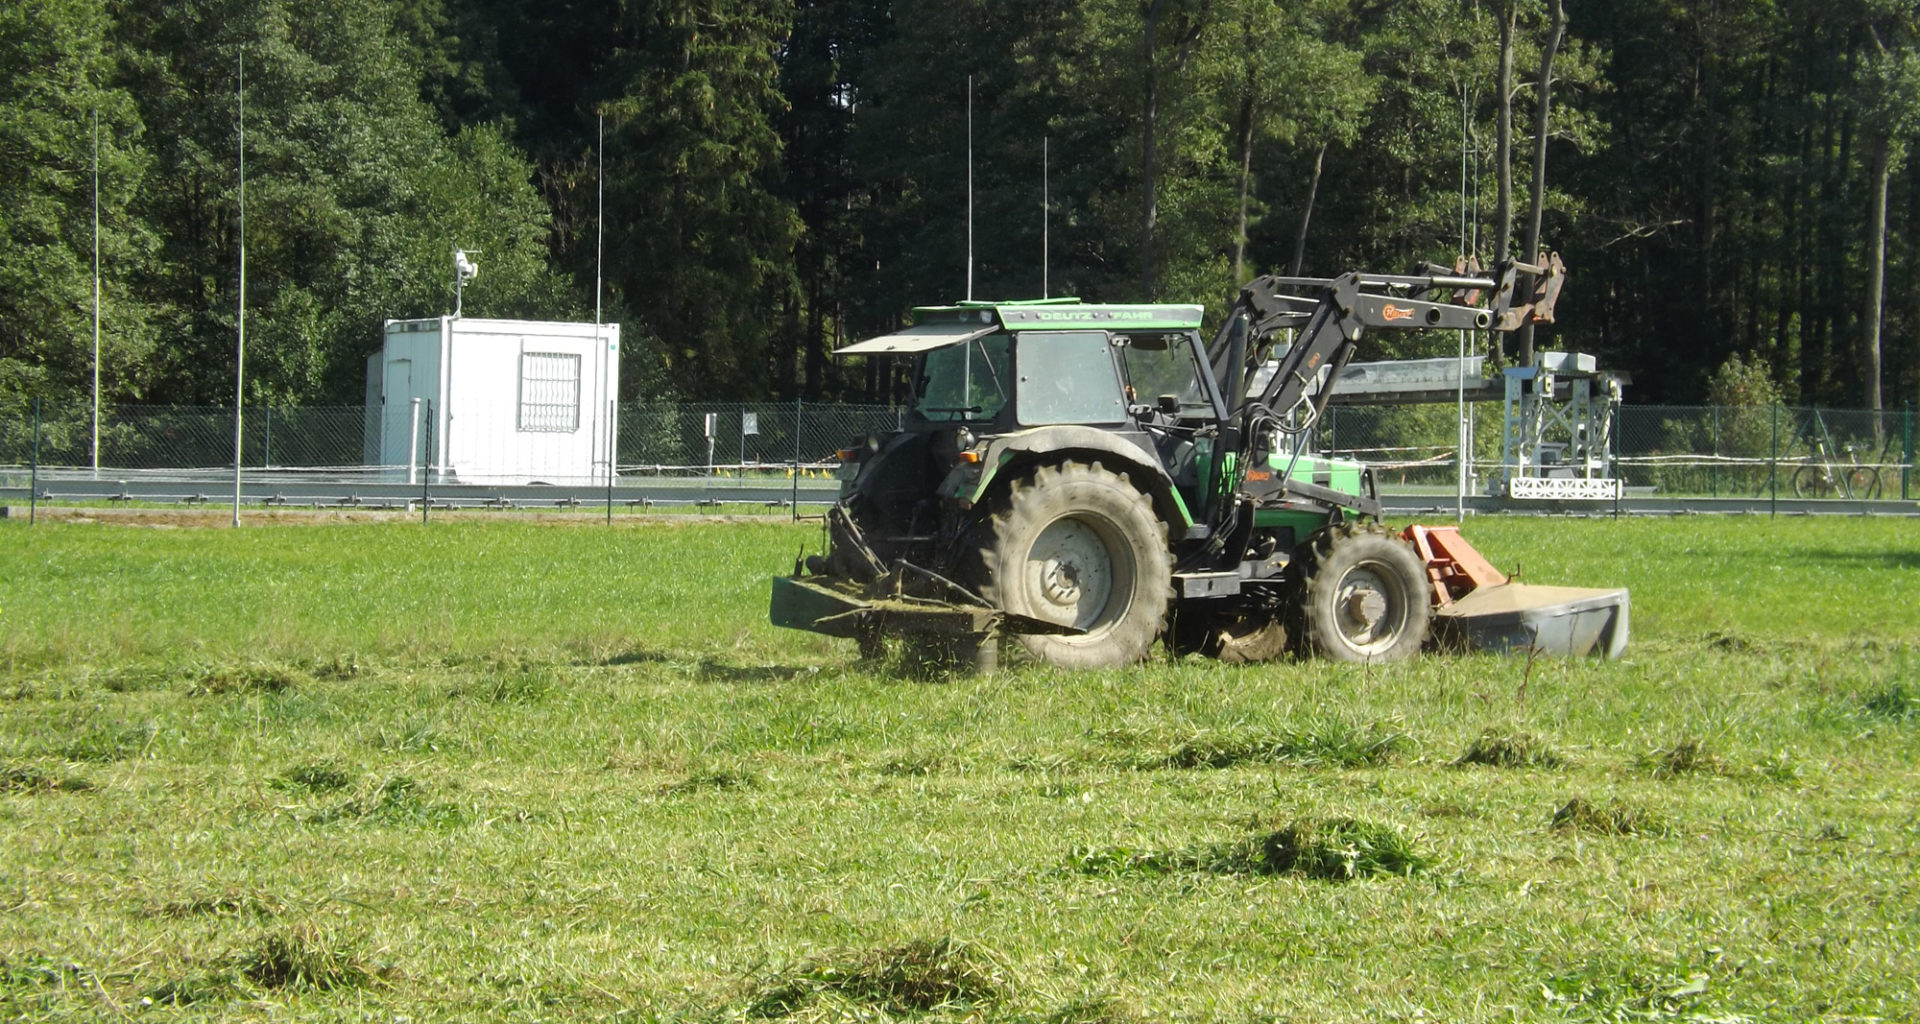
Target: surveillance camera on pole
464, 270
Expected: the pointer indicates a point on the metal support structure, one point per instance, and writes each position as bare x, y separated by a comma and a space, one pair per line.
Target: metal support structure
1557, 447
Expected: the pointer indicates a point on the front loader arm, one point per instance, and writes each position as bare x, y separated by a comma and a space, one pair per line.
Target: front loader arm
1332, 314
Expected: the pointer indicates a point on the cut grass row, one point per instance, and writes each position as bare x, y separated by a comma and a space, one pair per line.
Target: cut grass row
509, 771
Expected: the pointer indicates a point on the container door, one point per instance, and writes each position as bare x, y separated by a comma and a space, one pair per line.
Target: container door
397, 424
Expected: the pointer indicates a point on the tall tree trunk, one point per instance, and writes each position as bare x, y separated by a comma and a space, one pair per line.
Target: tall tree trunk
1876, 268
1541, 120
1150, 204
1306, 213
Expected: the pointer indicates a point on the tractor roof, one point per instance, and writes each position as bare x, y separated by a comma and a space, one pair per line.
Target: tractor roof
940, 326
1065, 315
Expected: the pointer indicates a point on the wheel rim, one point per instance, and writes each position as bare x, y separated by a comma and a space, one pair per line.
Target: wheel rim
1073, 577
1369, 610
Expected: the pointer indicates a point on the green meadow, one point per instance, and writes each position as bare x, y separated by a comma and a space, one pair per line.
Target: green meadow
516, 770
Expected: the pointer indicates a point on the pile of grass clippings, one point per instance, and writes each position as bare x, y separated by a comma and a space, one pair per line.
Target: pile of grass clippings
917, 977
1615, 819
1689, 756
1894, 700
25, 778
1342, 849
1328, 743
1333, 849
1497, 749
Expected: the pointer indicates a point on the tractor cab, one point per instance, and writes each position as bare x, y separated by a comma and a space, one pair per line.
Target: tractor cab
999, 383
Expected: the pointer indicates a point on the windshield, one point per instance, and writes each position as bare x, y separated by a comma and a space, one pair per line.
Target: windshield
965, 382
1163, 364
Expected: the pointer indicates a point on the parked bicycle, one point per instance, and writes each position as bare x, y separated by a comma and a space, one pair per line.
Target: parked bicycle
1819, 477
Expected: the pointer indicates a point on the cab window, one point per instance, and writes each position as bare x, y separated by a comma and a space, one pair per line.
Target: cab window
1163, 364
971, 381
1068, 377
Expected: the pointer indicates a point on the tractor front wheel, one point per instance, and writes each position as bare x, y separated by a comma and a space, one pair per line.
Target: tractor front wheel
1365, 596
1079, 545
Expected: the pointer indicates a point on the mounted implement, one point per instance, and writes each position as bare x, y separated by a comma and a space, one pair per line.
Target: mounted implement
1087, 479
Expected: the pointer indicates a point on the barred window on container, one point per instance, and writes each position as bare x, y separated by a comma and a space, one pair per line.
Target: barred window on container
549, 392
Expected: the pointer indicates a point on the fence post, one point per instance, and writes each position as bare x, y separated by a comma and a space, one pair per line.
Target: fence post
33, 479
1713, 468
797, 410
1906, 461
1619, 473
268, 463
1773, 465
426, 468
613, 422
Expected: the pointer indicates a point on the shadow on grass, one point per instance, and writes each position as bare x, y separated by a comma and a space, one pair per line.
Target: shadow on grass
1831, 557
634, 657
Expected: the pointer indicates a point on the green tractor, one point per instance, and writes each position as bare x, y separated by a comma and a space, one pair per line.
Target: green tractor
1086, 480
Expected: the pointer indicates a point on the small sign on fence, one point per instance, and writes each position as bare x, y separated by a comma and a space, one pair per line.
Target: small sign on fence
749, 423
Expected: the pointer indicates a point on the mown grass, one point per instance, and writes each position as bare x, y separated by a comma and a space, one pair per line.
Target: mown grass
517, 771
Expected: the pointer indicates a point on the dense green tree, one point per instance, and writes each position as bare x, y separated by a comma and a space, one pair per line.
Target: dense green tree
56, 76
699, 243
355, 198
784, 175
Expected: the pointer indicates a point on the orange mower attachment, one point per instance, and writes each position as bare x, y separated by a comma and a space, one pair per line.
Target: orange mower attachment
1478, 607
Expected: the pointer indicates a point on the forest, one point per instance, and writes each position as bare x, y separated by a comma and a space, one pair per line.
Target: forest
746, 184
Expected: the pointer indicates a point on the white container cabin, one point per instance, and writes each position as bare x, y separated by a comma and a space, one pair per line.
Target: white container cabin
473, 401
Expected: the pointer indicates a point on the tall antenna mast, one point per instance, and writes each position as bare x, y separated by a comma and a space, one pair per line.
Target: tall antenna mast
1046, 211
240, 357
599, 219
96, 292
599, 250
969, 188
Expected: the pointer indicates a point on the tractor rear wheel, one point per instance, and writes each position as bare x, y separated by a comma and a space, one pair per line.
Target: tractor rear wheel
1079, 545
1365, 596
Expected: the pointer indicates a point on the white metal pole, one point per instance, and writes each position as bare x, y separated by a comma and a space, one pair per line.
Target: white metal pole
413, 442
96, 293
240, 356
1464, 441
599, 252
1046, 213
969, 188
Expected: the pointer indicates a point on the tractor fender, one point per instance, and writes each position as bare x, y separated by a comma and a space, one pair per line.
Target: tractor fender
1008, 454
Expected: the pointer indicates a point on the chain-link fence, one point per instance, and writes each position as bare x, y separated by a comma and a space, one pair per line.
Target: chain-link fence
1675, 451
351, 441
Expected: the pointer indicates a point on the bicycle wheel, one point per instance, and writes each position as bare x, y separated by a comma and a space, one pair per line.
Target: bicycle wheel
1812, 482
1864, 483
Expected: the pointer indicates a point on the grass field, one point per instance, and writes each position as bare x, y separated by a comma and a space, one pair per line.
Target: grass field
520, 771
